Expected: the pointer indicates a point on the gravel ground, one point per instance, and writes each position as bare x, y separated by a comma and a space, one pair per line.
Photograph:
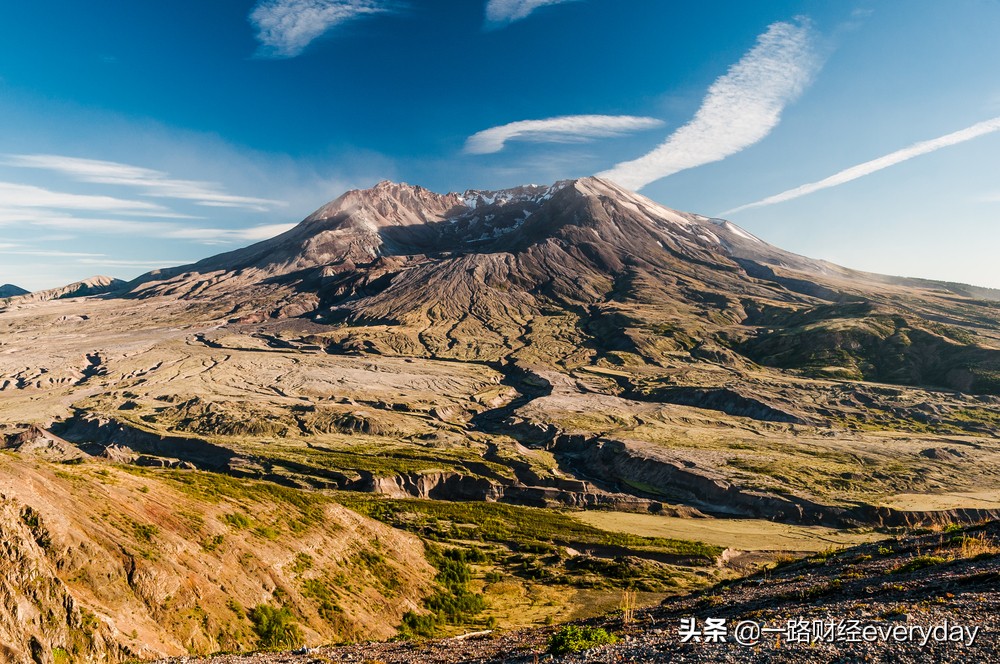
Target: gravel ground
895, 590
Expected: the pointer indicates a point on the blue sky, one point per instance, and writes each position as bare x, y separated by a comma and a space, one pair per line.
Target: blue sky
146, 134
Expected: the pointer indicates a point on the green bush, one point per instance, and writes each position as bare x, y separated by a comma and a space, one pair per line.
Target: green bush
237, 520
920, 562
453, 603
455, 606
274, 627
415, 624
572, 638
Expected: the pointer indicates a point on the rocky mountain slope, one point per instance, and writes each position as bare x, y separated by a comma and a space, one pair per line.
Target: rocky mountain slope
101, 563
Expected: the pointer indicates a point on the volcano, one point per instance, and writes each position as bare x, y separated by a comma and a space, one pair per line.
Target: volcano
471, 275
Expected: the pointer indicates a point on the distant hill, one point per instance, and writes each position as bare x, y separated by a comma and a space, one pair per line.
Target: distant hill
10, 290
92, 286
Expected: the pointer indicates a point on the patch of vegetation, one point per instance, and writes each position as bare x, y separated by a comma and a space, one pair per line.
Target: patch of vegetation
824, 555
274, 627
453, 603
919, 562
234, 606
237, 520
267, 532
511, 524
382, 574
643, 487
822, 589
146, 532
976, 546
329, 610
303, 561
572, 638
863, 342
621, 571
301, 509
533, 544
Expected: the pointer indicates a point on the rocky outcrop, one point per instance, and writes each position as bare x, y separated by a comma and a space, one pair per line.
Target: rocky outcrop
454, 486
100, 436
36, 441
615, 462
39, 616
726, 400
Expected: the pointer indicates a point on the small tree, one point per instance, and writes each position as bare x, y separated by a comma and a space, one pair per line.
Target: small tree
274, 627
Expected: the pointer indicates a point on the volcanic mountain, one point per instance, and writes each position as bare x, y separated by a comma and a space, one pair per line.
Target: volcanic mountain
472, 275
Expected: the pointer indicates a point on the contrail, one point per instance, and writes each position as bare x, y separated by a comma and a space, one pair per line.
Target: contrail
869, 167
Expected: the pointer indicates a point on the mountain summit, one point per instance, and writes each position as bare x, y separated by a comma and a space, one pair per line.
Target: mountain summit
570, 241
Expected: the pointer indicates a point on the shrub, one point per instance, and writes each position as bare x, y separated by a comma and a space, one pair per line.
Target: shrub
453, 603
978, 546
146, 531
237, 520
572, 638
920, 562
274, 627
420, 625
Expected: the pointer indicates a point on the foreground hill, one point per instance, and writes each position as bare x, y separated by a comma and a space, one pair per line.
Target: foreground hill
930, 598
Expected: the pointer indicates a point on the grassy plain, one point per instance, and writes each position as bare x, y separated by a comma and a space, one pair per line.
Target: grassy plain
742, 534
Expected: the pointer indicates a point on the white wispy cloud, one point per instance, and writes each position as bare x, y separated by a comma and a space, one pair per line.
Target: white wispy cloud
565, 129
869, 167
51, 253
740, 108
501, 12
15, 196
150, 229
151, 182
286, 27
152, 264
252, 233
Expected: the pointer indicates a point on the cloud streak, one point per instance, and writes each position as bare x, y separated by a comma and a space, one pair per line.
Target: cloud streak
158, 229
875, 165
151, 182
16, 197
286, 27
565, 129
740, 108
502, 12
